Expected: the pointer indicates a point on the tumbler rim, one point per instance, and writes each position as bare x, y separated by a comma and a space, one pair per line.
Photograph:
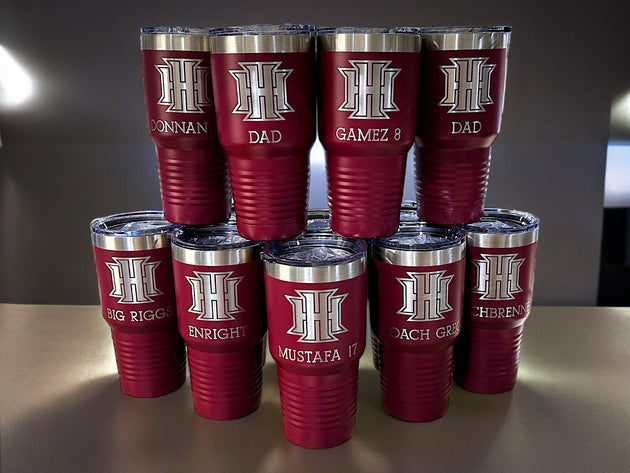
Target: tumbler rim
212, 253
449, 249
113, 232
174, 38
521, 228
453, 38
369, 39
263, 38
279, 265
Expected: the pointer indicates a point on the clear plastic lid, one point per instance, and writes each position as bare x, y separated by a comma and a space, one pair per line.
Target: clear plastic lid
408, 213
211, 237
213, 245
131, 231
264, 29
173, 30
503, 228
315, 257
422, 237
504, 221
421, 244
367, 30
318, 221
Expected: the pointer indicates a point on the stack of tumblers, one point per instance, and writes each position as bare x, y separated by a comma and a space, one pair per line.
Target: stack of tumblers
231, 112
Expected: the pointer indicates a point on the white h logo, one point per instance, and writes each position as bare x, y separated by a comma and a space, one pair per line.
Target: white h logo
425, 296
261, 88
317, 315
369, 86
183, 85
467, 84
214, 295
497, 276
133, 279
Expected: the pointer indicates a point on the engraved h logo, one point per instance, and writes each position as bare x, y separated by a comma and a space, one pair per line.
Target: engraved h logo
183, 85
467, 84
369, 86
425, 296
317, 315
214, 295
133, 279
261, 88
497, 276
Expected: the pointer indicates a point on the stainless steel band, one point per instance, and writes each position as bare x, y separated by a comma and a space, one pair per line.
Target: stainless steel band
404, 257
262, 43
369, 42
227, 257
316, 274
175, 41
130, 243
502, 240
449, 39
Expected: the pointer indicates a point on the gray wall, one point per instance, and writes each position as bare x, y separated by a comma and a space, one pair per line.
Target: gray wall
80, 149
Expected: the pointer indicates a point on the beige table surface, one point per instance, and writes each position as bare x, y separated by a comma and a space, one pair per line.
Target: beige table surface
63, 411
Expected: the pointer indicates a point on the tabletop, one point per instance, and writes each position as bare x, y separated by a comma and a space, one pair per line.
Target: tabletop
63, 410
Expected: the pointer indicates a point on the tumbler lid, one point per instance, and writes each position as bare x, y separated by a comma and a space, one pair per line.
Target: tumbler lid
315, 258
408, 213
454, 38
174, 38
213, 245
133, 231
421, 244
318, 221
503, 228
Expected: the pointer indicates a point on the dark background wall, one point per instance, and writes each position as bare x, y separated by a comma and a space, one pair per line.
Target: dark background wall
79, 149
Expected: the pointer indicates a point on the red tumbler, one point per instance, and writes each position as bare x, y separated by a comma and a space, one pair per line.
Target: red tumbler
367, 105
180, 118
135, 280
263, 78
416, 293
461, 100
501, 263
316, 306
221, 315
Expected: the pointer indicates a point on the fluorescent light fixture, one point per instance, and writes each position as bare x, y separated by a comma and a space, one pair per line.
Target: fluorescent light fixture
16, 86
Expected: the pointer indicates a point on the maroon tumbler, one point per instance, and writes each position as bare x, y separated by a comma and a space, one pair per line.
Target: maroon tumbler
221, 314
180, 118
500, 283
416, 292
461, 101
367, 105
408, 218
316, 306
263, 89
135, 280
